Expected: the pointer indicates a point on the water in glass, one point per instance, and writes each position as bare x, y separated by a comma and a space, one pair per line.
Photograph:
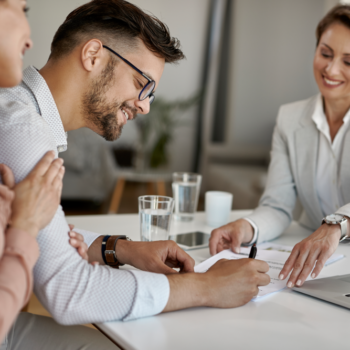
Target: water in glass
155, 224
186, 199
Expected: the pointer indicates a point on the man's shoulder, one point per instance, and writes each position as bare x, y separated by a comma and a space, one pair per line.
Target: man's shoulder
18, 107
292, 115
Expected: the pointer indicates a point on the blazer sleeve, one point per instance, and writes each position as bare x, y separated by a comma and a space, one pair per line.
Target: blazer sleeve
21, 251
344, 210
275, 210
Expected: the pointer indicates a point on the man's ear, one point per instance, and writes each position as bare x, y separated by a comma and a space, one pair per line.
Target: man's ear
91, 54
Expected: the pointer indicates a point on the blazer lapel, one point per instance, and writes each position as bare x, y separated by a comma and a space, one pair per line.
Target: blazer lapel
307, 139
345, 168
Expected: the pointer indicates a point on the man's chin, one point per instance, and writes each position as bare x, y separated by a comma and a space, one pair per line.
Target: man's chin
111, 136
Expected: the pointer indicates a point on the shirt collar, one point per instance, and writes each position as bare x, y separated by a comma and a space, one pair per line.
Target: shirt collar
320, 119
47, 106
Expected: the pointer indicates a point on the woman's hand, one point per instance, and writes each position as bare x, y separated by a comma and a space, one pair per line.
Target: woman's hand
77, 241
316, 248
6, 198
36, 197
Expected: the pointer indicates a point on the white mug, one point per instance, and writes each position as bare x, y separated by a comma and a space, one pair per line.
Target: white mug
217, 207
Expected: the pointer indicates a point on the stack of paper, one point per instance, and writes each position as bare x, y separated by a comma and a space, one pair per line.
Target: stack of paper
275, 255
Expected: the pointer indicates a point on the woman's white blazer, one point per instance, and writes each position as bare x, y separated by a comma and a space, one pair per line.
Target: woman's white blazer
292, 173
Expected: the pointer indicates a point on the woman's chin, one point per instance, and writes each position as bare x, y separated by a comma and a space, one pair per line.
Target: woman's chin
11, 79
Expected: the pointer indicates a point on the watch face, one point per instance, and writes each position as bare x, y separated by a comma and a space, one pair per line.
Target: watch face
334, 218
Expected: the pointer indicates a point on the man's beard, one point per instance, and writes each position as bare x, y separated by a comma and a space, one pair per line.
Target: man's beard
97, 110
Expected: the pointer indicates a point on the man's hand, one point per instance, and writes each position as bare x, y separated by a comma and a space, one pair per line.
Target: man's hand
227, 284
316, 248
159, 256
36, 197
231, 236
6, 198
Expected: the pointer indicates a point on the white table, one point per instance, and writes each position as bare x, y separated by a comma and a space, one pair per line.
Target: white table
284, 320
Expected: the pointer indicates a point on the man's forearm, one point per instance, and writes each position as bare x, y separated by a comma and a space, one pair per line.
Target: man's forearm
187, 290
95, 251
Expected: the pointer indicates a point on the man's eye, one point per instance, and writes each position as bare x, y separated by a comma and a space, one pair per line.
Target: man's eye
26, 9
140, 84
347, 63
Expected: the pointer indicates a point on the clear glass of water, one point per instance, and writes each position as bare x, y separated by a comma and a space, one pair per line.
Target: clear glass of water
155, 217
186, 187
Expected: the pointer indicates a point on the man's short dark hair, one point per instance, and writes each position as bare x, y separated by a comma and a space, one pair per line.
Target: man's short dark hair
115, 22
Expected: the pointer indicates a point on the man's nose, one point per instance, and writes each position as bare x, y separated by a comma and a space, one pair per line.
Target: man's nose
143, 106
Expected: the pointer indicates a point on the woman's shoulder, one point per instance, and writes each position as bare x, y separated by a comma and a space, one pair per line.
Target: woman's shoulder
292, 114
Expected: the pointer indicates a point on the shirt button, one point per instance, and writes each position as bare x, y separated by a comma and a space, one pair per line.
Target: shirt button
60, 149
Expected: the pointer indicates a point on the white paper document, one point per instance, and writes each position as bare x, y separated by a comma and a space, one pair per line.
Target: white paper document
275, 255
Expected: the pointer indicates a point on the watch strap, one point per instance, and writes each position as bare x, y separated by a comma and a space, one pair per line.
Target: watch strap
103, 248
109, 253
343, 223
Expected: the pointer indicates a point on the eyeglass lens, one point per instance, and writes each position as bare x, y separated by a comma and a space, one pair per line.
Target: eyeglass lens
147, 91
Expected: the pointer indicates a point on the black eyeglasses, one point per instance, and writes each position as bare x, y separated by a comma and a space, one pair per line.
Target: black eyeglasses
147, 90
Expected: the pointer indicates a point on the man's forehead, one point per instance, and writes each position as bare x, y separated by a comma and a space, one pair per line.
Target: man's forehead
149, 63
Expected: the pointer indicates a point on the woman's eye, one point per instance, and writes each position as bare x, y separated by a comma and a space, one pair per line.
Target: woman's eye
26, 9
347, 63
325, 55
140, 84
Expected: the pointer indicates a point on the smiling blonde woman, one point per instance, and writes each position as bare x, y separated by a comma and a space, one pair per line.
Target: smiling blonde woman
309, 160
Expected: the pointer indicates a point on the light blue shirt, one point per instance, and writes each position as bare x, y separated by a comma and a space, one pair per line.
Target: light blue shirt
73, 291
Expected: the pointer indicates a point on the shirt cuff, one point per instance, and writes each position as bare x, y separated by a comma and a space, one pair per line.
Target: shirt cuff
89, 237
151, 297
256, 232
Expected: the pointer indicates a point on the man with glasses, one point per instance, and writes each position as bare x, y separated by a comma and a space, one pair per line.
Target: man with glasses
106, 60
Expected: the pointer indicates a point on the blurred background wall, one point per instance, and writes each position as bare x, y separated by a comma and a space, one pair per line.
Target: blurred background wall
266, 49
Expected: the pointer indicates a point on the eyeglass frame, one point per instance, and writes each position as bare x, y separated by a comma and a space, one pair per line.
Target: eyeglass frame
150, 81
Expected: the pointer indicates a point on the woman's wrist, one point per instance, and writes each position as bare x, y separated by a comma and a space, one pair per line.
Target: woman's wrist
25, 225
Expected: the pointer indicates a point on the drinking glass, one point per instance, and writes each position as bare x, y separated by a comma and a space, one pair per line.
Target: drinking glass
186, 188
155, 217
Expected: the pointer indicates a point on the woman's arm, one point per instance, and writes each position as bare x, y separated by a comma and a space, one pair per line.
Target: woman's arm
276, 205
26, 209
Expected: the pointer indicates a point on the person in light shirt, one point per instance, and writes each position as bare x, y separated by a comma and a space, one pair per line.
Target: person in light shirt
106, 61
309, 160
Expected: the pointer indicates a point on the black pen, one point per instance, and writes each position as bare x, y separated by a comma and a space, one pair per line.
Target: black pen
253, 251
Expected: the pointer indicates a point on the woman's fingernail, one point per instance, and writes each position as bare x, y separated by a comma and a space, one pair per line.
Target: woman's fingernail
299, 283
72, 233
313, 275
281, 276
73, 241
290, 285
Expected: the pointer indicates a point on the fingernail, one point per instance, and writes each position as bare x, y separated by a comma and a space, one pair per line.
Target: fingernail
73, 241
313, 275
72, 234
281, 276
290, 285
299, 283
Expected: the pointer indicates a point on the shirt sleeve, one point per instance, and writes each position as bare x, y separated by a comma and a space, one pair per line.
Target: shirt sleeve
16, 278
72, 290
256, 232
